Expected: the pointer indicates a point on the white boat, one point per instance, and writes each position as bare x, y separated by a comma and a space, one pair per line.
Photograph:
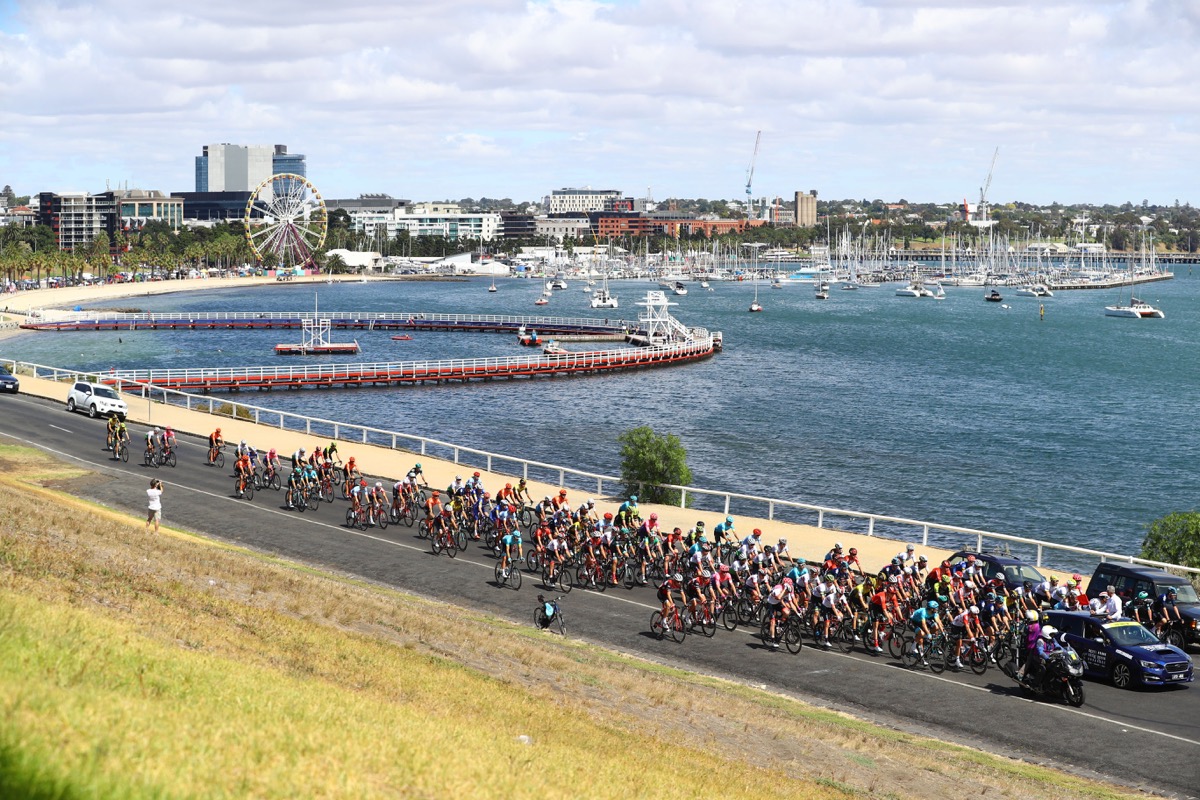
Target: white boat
704, 285
1035, 290
914, 289
1136, 309
679, 289
940, 294
602, 299
541, 301
492, 288
1026, 291
822, 292
776, 283
559, 282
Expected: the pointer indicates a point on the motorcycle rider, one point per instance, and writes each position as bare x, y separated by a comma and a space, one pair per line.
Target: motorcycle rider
1046, 646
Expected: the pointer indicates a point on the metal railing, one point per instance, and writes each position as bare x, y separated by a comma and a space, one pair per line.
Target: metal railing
429, 369
930, 533
360, 316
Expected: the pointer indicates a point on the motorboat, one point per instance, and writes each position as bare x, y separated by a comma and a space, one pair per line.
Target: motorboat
822, 292
541, 301
704, 285
914, 288
559, 282
993, 296
402, 338
553, 348
680, 290
1136, 309
602, 299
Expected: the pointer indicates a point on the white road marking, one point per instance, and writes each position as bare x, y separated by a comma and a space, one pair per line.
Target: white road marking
490, 567
64, 430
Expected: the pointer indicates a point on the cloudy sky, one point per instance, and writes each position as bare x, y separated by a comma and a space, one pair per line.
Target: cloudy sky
1088, 100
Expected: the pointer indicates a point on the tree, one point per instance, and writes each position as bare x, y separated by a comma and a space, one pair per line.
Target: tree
1174, 539
649, 460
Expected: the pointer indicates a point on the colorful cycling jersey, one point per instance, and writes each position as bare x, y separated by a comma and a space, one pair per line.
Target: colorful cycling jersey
831, 597
723, 531
512, 540
990, 608
722, 580
295, 478
922, 616
962, 619
780, 594
310, 474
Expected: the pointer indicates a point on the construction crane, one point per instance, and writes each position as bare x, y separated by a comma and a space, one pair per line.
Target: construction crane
750, 175
987, 184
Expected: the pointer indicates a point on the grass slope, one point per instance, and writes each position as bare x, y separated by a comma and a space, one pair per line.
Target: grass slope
134, 665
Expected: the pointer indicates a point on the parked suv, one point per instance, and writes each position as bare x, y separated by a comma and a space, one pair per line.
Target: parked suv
1130, 579
1016, 571
96, 399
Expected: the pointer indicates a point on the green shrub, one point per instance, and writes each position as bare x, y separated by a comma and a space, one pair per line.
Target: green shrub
648, 460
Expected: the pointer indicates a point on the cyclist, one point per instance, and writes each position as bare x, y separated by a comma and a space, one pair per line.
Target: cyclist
834, 553
298, 458
475, 484
674, 583
649, 548
112, 431
560, 502
507, 495
1165, 608
782, 553
1140, 608
501, 519
852, 562
993, 616
626, 514
215, 442
699, 594
650, 527
831, 601
442, 524
882, 605
379, 499
522, 491
511, 551
151, 442
724, 590
458, 488
558, 550
433, 509
242, 449
965, 624
924, 621
242, 467
780, 602
417, 474
722, 531
271, 463
295, 486
587, 511
358, 495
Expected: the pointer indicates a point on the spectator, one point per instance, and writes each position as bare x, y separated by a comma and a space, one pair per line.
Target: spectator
154, 493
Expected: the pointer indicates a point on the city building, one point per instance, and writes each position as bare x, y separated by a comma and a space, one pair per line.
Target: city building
78, 218
563, 201
517, 226
806, 209
241, 168
559, 227
667, 223
136, 207
211, 206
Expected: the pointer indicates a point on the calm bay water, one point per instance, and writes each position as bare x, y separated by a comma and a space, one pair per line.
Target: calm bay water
1074, 428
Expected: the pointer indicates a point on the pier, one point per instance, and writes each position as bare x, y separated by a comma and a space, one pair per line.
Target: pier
408, 322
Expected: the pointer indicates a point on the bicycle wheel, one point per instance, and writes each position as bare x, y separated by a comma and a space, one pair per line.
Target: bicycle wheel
381, 519
1006, 659
729, 616
540, 620
410, 515
581, 576
345, 489
895, 639
272, 483
301, 502
939, 657
450, 545
498, 574
563, 579
708, 625
910, 654
677, 627
525, 516
792, 638
514, 576
125, 453
170, 459
533, 561
149, 460
351, 518
326, 492
562, 626
248, 492
220, 459
843, 636
656, 625
460, 540
978, 659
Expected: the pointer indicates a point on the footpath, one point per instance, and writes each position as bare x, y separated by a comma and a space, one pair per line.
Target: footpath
381, 463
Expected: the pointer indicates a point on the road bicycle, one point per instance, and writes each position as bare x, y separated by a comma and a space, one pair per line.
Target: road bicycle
243, 488
270, 478
122, 451
786, 630
216, 456
510, 576
444, 540
150, 458
165, 457
548, 613
557, 575
675, 624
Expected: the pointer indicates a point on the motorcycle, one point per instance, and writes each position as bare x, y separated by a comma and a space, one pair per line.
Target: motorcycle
1062, 677
549, 613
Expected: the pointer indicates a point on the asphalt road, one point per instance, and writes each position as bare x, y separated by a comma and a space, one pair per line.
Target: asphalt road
1146, 739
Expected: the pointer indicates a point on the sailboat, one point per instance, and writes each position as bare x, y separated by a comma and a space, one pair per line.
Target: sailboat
754, 306
1137, 309
492, 288
602, 298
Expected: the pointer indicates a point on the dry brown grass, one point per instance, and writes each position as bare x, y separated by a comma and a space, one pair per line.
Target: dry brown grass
171, 662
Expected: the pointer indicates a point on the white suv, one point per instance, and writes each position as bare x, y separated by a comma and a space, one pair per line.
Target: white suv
96, 399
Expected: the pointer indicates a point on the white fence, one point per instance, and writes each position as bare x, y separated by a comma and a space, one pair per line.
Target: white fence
367, 317
1069, 557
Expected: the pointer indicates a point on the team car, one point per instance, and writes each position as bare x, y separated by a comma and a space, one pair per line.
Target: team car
8, 381
1124, 652
1016, 572
97, 400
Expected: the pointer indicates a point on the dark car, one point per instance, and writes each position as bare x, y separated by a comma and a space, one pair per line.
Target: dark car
1124, 652
1131, 579
8, 381
1016, 571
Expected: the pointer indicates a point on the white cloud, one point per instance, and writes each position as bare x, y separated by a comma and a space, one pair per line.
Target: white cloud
882, 98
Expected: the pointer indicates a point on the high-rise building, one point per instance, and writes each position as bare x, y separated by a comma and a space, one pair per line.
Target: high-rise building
806, 209
564, 201
241, 168
77, 218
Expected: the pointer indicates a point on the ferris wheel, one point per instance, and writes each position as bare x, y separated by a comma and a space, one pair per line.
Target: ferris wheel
285, 221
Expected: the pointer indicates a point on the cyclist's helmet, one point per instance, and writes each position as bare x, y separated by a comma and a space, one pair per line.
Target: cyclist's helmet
446, 512
271, 454
677, 577
546, 499
853, 551
896, 561
922, 560
706, 574
974, 609
990, 596
1143, 596
417, 465
633, 498
830, 577
729, 520
378, 484
783, 542
591, 502
486, 495
654, 517
301, 449
156, 430
476, 475
218, 430
608, 515
243, 440
437, 494
508, 486
932, 605
800, 562
1172, 591
723, 568
788, 582
701, 538
769, 548
1071, 584
562, 492
458, 477
362, 482
756, 533
1048, 632
699, 523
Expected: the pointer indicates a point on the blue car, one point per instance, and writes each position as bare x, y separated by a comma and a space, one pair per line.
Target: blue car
1123, 652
